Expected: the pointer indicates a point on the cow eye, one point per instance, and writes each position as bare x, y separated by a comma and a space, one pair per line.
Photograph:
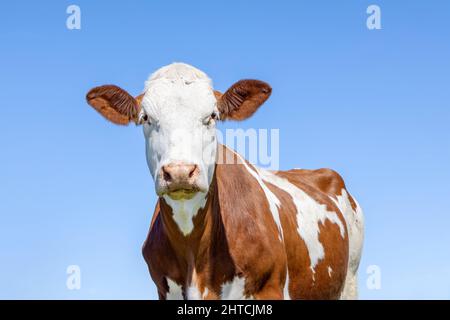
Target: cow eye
145, 119
209, 120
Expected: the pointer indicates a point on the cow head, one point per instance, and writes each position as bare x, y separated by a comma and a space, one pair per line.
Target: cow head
178, 111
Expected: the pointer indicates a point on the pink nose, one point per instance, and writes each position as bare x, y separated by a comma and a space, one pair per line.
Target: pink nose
180, 176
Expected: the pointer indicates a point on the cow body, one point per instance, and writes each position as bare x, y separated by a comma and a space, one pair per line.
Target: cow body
226, 229
265, 235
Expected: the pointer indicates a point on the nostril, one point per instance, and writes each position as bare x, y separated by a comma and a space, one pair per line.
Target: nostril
175, 174
192, 171
166, 174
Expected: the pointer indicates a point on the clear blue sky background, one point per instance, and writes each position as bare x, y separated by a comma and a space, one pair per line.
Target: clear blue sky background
374, 105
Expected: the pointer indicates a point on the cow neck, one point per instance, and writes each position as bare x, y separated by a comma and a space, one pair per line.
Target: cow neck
188, 246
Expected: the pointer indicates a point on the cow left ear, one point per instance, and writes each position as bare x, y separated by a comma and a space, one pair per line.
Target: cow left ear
242, 99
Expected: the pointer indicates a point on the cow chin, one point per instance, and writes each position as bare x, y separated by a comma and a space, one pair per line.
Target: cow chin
182, 193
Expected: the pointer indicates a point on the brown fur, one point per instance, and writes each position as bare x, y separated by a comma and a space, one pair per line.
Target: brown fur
115, 104
326, 180
242, 99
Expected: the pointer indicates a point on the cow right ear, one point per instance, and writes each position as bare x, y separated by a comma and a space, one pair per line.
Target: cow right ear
115, 104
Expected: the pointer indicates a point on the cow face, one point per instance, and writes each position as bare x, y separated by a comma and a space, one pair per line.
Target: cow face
178, 111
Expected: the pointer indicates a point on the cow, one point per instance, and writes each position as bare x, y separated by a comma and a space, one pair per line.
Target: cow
228, 229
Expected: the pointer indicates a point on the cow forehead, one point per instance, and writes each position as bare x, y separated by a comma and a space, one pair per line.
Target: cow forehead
179, 71
178, 89
163, 100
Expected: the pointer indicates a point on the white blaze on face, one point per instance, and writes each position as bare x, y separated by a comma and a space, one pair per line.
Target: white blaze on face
178, 101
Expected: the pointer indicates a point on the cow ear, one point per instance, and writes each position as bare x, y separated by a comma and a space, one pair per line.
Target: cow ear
242, 99
115, 104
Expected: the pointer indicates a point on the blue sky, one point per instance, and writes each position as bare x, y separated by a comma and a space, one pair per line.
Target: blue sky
371, 104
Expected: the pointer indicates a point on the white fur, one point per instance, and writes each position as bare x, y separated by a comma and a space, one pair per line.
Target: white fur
355, 226
193, 293
286, 294
175, 291
350, 291
234, 290
178, 98
184, 211
330, 271
309, 214
205, 293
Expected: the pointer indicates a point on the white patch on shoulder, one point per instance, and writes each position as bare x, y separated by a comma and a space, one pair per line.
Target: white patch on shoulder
309, 214
330, 270
274, 202
175, 292
185, 210
234, 290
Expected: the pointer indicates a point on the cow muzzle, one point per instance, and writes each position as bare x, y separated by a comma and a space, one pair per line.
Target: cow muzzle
179, 180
